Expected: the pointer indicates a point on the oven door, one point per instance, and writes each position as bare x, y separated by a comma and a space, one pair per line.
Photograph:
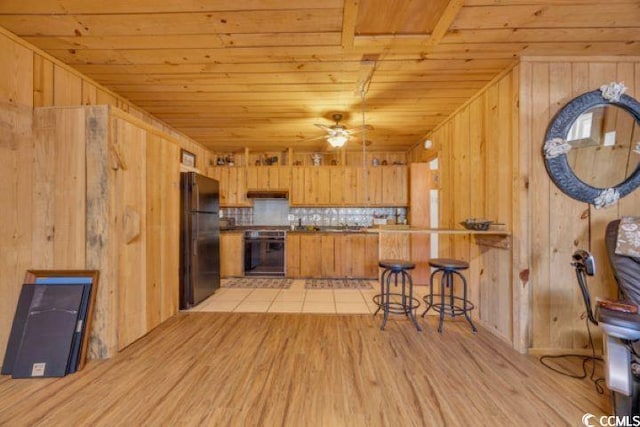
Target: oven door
263, 256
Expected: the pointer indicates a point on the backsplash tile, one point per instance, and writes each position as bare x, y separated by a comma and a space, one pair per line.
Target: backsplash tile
357, 216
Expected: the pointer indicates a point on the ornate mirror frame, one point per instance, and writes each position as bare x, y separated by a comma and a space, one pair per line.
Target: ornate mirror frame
556, 146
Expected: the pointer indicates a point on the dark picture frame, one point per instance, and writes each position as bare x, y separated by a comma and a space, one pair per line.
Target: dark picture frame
92, 277
187, 158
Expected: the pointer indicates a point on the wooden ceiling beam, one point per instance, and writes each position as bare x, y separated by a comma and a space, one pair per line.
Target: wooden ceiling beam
446, 19
64, 7
349, 17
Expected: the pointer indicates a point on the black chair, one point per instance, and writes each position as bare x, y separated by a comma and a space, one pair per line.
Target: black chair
447, 302
402, 302
619, 322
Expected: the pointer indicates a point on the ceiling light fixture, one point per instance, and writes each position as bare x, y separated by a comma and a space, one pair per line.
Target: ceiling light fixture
337, 140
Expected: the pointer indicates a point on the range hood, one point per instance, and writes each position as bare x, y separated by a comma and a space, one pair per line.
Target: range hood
267, 194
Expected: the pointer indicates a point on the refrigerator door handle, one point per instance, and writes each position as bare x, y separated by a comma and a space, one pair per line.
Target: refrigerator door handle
196, 199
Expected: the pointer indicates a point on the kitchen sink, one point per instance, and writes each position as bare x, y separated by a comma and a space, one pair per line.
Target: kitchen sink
314, 229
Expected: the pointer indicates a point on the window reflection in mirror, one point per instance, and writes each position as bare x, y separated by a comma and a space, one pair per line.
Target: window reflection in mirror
603, 142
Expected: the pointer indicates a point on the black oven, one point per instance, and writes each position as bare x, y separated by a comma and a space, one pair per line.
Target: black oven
264, 253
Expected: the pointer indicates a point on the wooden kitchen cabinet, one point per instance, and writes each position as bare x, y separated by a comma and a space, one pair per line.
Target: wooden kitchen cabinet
268, 177
395, 185
292, 254
357, 255
349, 186
332, 255
231, 254
233, 185
317, 187
296, 195
311, 255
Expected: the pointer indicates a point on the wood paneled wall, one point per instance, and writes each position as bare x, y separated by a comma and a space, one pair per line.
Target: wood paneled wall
491, 166
39, 225
559, 224
477, 155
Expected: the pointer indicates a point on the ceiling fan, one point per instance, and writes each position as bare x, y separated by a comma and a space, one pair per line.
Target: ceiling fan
338, 134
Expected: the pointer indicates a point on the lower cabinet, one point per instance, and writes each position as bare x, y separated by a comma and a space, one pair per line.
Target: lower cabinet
332, 255
231, 254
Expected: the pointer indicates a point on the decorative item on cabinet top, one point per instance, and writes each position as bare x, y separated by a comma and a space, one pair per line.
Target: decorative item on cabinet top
598, 128
187, 158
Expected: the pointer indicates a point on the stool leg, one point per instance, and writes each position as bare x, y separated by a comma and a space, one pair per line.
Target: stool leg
407, 306
381, 292
443, 282
464, 304
429, 303
387, 301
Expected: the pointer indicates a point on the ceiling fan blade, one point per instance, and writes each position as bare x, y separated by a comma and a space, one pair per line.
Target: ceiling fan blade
323, 127
367, 142
313, 139
361, 127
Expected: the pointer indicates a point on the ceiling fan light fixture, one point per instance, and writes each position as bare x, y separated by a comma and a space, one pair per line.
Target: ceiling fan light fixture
337, 140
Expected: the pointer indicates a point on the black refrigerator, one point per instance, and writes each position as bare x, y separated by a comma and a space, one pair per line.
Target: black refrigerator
199, 238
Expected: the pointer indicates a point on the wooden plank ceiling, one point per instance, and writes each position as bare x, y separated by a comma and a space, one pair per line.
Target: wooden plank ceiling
260, 73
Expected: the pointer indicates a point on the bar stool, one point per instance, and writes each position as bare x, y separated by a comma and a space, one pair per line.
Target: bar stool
449, 303
407, 303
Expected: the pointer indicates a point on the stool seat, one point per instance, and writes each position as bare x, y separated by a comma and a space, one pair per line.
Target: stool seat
396, 264
448, 302
401, 301
448, 264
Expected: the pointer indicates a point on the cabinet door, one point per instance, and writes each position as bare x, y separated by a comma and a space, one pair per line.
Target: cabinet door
357, 250
342, 256
293, 255
231, 254
221, 174
350, 193
337, 185
374, 186
371, 256
297, 193
284, 177
394, 185
327, 255
232, 186
252, 177
323, 187
311, 185
241, 187
310, 255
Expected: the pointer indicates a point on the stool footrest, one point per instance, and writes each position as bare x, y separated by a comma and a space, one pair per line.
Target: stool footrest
435, 302
397, 307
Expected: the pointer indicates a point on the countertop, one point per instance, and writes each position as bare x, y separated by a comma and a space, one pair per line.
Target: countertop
382, 229
424, 230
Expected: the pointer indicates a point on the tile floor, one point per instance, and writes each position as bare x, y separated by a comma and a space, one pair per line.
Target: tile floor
296, 299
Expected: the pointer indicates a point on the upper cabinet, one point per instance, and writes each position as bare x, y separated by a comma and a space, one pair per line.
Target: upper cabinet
349, 186
268, 177
316, 185
233, 185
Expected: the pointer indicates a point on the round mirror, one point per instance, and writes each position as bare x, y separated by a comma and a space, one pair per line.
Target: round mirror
602, 141
592, 146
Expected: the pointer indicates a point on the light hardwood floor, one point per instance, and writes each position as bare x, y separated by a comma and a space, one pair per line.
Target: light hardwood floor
270, 369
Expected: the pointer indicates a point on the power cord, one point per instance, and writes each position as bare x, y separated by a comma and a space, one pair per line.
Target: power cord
585, 360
